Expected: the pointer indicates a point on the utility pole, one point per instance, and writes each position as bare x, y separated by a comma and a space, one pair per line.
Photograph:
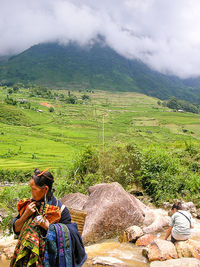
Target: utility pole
103, 131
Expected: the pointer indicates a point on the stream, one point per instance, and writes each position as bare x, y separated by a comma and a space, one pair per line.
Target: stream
128, 253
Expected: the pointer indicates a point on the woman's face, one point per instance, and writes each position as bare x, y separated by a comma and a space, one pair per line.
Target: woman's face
36, 191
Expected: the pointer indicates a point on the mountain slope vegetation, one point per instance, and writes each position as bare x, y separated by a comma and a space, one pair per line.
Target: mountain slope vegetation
95, 67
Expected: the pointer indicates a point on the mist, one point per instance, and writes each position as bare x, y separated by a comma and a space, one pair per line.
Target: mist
164, 34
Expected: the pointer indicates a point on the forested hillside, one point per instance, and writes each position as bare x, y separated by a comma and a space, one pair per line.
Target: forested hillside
96, 67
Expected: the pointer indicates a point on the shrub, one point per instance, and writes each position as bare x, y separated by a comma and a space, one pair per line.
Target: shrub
51, 109
161, 175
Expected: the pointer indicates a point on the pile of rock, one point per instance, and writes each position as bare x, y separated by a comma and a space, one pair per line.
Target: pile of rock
157, 249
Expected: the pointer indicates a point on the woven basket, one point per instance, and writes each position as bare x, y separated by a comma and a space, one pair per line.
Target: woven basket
78, 216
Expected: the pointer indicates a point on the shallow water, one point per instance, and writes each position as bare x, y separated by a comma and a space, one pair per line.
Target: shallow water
128, 253
4, 262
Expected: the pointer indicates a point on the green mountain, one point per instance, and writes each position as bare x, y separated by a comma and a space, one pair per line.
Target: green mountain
96, 67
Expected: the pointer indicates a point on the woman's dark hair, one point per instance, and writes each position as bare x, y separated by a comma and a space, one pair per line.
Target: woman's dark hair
44, 178
177, 206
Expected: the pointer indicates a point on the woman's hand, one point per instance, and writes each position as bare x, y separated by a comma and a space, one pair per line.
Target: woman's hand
44, 224
30, 209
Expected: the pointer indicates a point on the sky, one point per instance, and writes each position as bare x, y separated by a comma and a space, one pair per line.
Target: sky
164, 34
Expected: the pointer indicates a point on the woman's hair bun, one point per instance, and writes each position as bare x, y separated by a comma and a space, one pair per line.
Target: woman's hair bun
36, 171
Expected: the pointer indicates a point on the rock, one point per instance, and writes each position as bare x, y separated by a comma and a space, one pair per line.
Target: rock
110, 210
158, 219
161, 250
198, 213
188, 206
108, 261
184, 249
189, 248
8, 241
131, 234
149, 218
183, 262
74, 200
8, 252
145, 240
166, 205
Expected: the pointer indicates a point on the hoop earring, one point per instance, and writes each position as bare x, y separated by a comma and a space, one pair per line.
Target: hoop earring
45, 198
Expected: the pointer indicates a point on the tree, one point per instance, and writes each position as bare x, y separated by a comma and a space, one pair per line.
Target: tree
51, 109
85, 97
173, 103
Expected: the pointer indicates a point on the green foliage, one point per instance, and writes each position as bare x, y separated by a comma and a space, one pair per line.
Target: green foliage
160, 175
85, 97
41, 92
12, 115
10, 195
190, 148
117, 164
120, 164
164, 177
16, 176
6, 223
71, 99
10, 101
86, 162
51, 109
177, 104
97, 67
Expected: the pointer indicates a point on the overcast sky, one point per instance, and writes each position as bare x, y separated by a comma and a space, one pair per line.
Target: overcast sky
165, 34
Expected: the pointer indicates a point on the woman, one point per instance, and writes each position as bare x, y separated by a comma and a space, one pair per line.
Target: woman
42, 222
180, 225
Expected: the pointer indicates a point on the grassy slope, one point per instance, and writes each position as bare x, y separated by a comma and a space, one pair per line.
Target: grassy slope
29, 139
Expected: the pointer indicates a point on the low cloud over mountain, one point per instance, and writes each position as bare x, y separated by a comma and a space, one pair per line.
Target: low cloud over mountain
163, 34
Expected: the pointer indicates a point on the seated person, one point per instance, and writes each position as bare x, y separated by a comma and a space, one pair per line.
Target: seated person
180, 225
43, 223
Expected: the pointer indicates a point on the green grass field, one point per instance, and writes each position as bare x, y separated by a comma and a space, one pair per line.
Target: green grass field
30, 139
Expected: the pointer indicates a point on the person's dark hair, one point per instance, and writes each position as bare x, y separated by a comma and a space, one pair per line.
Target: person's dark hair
177, 206
41, 179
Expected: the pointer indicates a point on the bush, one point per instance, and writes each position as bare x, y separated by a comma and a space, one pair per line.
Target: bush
51, 109
15, 176
120, 164
160, 175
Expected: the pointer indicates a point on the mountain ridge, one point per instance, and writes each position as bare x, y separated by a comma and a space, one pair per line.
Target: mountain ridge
94, 67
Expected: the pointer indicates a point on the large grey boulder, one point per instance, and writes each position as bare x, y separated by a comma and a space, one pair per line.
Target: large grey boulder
110, 210
74, 200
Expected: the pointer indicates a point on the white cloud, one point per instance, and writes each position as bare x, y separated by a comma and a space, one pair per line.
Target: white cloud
162, 33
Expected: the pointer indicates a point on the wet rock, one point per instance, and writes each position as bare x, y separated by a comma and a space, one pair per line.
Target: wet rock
131, 234
183, 262
188, 248
74, 200
8, 252
110, 210
7, 241
145, 240
108, 261
161, 250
